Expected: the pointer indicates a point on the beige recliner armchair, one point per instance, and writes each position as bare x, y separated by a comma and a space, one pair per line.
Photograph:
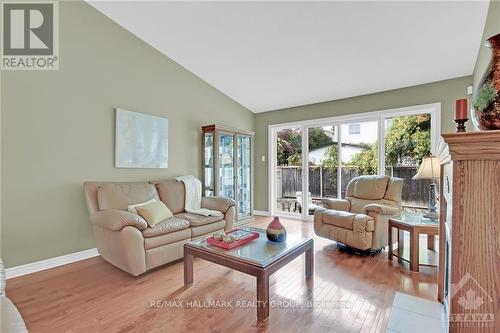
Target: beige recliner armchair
360, 220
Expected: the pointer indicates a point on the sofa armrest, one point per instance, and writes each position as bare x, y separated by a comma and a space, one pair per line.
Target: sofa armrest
337, 204
217, 203
116, 220
381, 209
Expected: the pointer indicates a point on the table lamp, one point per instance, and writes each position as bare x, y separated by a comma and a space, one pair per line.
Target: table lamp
429, 169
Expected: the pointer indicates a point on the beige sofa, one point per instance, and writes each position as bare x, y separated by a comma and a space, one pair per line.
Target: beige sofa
10, 318
360, 220
125, 240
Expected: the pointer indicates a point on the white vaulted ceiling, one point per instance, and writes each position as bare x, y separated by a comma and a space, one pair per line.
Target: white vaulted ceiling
272, 55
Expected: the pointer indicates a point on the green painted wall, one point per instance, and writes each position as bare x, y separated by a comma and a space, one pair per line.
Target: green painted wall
58, 129
445, 92
491, 28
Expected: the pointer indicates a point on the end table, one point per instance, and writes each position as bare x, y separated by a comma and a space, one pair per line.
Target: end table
416, 225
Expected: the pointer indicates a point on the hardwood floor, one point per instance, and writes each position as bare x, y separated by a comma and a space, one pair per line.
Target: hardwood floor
350, 294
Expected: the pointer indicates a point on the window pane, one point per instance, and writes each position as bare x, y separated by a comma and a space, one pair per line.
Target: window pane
323, 148
226, 169
209, 164
288, 170
354, 129
358, 151
407, 140
244, 175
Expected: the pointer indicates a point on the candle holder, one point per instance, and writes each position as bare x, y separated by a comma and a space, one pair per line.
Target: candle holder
461, 124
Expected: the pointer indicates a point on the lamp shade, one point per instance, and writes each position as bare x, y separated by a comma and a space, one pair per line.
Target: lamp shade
429, 168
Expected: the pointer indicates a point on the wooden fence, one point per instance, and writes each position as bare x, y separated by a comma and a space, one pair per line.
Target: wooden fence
323, 183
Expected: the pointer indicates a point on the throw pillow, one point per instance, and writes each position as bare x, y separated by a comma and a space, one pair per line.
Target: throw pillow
133, 208
154, 212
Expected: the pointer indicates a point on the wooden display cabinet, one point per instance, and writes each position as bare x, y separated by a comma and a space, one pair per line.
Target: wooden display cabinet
227, 159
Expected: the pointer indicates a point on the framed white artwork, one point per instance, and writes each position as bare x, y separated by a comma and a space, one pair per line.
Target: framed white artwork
141, 140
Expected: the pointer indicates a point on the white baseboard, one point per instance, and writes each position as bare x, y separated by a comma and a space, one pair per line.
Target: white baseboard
290, 217
260, 213
49, 263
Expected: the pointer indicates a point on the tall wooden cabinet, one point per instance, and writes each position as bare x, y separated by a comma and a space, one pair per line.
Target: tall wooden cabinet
469, 269
228, 166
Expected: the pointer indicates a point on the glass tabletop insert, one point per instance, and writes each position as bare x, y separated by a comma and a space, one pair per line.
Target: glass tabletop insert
411, 218
260, 252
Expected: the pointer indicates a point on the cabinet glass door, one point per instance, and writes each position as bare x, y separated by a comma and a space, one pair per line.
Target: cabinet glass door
208, 160
244, 176
226, 165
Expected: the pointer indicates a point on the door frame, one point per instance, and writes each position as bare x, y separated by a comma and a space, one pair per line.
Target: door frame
434, 109
236, 175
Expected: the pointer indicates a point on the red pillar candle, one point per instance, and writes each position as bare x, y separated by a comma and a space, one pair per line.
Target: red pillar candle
461, 109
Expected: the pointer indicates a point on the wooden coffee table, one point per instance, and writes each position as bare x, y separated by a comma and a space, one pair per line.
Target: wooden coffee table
415, 224
259, 258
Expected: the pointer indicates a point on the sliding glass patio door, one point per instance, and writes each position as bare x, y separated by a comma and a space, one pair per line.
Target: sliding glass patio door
358, 151
331, 159
407, 140
322, 166
287, 171
315, 160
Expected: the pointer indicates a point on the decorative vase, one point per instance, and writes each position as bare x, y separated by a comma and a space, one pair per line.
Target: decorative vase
275, 231
486, 103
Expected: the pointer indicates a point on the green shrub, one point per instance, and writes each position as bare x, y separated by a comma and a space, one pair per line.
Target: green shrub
485, 96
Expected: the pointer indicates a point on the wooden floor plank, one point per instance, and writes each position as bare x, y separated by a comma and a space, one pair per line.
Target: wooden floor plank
93, 296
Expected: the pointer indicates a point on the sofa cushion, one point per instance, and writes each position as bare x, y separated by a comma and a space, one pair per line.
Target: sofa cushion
207, 228
165, 227
176, 236
121, 195
173, 194
196, 220
370, 187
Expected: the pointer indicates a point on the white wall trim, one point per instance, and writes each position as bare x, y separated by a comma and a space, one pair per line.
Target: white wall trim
360, 116
261, 213
289, 216
271, 162
41, 265
0, 166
